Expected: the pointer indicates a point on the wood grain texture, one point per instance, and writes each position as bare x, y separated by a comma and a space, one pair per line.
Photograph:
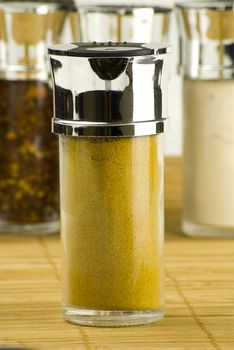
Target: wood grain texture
199, 293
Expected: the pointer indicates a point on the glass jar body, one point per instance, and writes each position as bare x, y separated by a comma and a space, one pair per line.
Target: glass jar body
208, 170
28, 159
112, 229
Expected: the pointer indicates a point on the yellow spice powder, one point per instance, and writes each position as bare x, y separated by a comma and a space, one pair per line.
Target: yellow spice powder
112, 222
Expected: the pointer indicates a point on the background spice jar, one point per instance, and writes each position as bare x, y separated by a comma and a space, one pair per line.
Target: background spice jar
207, 65
28, 153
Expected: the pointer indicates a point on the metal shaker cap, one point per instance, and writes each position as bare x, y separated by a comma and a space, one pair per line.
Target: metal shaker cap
139, 22
26, 28
109, 89
206, 30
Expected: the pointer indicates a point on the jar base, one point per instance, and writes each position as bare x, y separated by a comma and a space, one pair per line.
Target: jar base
106, 318
41, 229
197, 230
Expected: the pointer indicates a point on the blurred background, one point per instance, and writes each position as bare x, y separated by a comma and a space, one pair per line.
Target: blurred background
27, 28
173, 143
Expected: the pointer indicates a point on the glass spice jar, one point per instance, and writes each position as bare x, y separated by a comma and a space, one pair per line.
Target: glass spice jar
28, 153
110, 109
207, 64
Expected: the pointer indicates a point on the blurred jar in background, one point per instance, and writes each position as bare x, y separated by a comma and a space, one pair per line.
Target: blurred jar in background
28, 152
207, 65
132, 23
71, 26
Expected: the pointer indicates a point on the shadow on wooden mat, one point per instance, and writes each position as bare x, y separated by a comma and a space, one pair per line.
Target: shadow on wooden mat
173, 225
173, 198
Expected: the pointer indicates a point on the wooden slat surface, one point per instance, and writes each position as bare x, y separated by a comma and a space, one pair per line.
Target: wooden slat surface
199, 293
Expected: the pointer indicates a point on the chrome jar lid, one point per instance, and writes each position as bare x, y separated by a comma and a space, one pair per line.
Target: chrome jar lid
109, 89
123, 9
206, 30
26, 28
129, 22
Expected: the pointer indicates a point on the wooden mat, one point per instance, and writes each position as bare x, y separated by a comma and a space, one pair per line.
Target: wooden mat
199, 293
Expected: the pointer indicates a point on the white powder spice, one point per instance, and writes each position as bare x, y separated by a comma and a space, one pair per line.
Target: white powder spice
209, 153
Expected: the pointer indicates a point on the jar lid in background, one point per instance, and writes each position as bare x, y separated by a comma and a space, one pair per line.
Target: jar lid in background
27, 27
206, 39
122, 9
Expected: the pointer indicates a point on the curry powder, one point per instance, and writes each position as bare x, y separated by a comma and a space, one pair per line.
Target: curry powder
112, 222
